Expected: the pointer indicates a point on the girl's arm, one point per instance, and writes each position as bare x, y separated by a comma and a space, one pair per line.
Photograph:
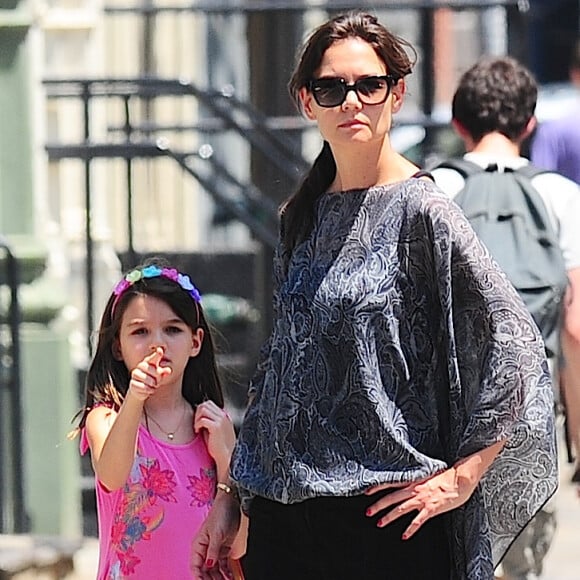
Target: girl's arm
218, 431
216, 427
113, 436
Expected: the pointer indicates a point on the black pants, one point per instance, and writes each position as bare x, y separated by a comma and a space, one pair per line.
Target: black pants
333, 539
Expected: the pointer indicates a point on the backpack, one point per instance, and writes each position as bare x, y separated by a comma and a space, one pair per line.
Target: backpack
509, 216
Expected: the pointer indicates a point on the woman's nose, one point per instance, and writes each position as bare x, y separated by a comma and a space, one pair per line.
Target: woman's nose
351, 99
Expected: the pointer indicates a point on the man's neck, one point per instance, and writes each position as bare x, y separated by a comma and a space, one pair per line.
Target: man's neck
496, 144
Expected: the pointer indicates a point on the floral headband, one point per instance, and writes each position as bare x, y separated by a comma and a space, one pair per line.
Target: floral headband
155, 272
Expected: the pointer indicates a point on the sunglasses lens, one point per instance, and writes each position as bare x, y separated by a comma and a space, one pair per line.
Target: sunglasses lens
328, 92
332, 92
372, 90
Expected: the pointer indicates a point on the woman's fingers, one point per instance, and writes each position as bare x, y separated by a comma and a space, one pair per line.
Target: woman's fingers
382, 486
391, 499
431, 497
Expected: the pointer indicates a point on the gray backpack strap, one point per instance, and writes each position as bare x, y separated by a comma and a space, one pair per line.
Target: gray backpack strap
464, 167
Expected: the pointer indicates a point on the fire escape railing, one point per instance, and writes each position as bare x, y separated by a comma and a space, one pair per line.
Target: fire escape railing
222, 112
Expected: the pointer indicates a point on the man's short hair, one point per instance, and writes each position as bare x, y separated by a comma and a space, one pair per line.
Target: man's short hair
495, 94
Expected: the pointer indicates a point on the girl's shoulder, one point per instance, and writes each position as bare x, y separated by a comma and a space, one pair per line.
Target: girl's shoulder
102, 412
98, 423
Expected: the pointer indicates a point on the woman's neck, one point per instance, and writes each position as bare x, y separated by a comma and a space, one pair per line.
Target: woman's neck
362, 167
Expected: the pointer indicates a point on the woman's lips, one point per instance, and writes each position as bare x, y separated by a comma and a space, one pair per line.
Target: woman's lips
351, 124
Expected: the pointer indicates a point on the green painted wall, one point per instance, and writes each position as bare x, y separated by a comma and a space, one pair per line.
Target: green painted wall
16, 193
49, 389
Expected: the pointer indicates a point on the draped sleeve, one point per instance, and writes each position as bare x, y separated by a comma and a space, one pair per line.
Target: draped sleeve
499, 389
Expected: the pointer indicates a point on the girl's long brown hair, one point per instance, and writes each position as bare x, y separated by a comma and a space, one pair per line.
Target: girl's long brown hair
107, 379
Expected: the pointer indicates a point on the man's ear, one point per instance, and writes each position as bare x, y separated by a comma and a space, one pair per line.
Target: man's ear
464, 134
196, 342
306, 100
459, 128
532, 124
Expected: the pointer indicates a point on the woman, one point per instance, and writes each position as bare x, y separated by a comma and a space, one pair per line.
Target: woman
401, 365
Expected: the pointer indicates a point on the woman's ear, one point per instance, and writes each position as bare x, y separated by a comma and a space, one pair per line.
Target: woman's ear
306, 100
398, 92
196, 342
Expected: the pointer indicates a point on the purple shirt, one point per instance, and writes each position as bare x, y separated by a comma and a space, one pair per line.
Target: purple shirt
556, 146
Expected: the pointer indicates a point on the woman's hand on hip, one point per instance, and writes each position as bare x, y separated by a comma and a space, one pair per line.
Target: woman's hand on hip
430, 497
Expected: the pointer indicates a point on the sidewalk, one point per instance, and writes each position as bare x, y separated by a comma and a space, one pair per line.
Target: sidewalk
86, 560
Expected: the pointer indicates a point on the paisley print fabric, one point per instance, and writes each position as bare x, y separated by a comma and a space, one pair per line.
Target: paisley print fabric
399, 347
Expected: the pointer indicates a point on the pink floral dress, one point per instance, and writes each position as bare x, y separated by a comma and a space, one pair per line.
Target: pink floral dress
146, 528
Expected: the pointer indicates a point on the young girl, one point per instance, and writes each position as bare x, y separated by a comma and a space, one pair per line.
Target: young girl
159, 438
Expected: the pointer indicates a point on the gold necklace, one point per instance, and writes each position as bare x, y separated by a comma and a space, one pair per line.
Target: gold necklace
169, 434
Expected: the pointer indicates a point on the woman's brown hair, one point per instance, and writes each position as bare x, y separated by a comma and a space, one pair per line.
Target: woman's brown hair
298, 212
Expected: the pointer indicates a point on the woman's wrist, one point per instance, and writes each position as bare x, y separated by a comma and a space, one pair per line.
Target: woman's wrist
228, 488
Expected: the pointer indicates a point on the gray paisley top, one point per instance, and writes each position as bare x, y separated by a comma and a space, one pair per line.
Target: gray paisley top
399, 347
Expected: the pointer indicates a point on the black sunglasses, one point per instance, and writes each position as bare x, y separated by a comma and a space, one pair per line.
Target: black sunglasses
331, 92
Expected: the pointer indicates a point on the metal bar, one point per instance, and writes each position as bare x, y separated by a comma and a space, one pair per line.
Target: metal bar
217, 102
428, 74
258, 119
251, 192
159, 149
259, 229
19, 516
128, 130
86, 151
89, 264
226, 7
255, 139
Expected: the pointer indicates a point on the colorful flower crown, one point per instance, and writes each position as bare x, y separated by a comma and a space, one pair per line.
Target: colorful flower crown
155, 272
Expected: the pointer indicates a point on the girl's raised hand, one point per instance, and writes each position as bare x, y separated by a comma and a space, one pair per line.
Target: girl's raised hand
146, 375
218, 431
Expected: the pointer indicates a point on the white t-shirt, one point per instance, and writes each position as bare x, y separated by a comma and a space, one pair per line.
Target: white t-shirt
560, 195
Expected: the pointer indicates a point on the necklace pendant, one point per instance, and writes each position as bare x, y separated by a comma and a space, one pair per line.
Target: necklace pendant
170, 436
